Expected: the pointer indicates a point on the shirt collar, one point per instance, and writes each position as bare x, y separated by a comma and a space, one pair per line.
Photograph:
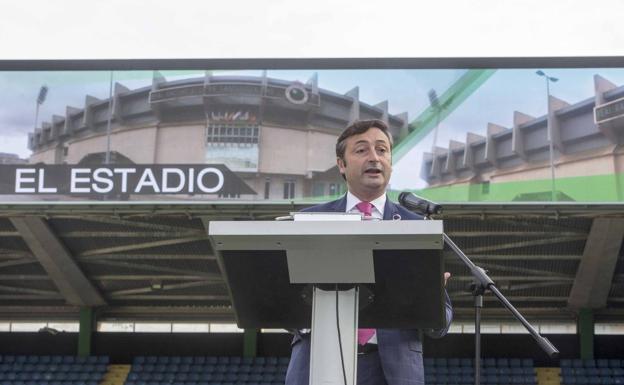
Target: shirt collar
379, 203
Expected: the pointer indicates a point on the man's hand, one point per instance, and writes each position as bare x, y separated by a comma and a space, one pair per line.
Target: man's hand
447, 275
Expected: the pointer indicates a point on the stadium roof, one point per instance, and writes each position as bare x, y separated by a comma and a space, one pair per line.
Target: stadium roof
153, 260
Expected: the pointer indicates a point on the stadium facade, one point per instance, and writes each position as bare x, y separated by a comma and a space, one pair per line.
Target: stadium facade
277, 135
586, 139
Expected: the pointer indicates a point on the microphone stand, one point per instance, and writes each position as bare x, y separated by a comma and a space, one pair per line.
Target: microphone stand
482, 283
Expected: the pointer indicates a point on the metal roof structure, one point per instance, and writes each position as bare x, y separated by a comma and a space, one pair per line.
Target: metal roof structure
154, 261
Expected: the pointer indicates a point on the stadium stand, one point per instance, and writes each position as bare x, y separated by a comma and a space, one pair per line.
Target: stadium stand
52, 370
592, 372
224, 370
448, 371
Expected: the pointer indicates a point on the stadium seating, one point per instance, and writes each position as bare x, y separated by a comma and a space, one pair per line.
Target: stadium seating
592, 372
52, 370
223, 370
501, 371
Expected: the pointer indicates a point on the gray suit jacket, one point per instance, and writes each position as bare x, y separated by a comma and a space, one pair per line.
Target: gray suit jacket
400, 351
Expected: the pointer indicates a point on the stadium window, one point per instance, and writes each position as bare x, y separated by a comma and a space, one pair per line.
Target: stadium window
485, 187
267, 188
609, 328
318, 189
289, 189
72, 327
334, 189
190, 328
152, 327
27, 326
557, 328
513, 328
115, 327
224, 328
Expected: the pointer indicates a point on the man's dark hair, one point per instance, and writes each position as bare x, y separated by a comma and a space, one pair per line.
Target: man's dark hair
360, 127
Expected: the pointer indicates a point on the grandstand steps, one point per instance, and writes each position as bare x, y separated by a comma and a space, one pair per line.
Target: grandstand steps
116, 375
548, 376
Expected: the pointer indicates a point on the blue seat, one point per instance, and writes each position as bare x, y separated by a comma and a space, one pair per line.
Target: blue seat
589, 363
199, 360
187, 360
593, 380
223, 360
455, 370
527, 362
151, 360
211, 360
163, 360
32, 359
454, 379
441, 362
605, 372
602, 363
504, 362
489, 362
592, 372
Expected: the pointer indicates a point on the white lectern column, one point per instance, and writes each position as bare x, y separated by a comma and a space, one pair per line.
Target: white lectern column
325, 356
332, 310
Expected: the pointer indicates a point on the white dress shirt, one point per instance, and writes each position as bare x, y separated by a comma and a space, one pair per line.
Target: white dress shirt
377, 212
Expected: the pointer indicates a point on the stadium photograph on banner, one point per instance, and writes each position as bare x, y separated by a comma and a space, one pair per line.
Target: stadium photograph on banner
459, 135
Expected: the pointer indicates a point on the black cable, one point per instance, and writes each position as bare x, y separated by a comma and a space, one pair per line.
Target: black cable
344, 372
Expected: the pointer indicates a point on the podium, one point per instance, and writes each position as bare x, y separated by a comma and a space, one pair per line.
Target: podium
333, 277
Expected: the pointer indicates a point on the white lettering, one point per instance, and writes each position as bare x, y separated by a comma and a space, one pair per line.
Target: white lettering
75, 180
200, 182
147, 179
41, 187
97, 178
191, 187
124, 177
165, 179
20, 178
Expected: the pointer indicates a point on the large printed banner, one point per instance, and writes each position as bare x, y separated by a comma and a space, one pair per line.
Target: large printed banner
460, 135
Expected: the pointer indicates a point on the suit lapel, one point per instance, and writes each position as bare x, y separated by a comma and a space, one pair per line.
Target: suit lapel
390, 211
340, 205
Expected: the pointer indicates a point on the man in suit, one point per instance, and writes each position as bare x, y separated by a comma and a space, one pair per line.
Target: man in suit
385, 356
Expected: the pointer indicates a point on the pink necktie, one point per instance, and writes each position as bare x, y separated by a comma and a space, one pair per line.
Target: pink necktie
364, 335
365, 208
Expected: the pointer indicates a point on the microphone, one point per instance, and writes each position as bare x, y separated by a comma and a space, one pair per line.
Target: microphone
418, 204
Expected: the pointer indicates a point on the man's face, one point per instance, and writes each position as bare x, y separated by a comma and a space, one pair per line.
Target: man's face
367, 164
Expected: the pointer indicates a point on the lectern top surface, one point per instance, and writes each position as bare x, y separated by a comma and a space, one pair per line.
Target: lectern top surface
331, 228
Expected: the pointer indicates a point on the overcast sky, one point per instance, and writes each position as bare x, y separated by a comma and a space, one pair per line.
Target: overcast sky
322, 28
